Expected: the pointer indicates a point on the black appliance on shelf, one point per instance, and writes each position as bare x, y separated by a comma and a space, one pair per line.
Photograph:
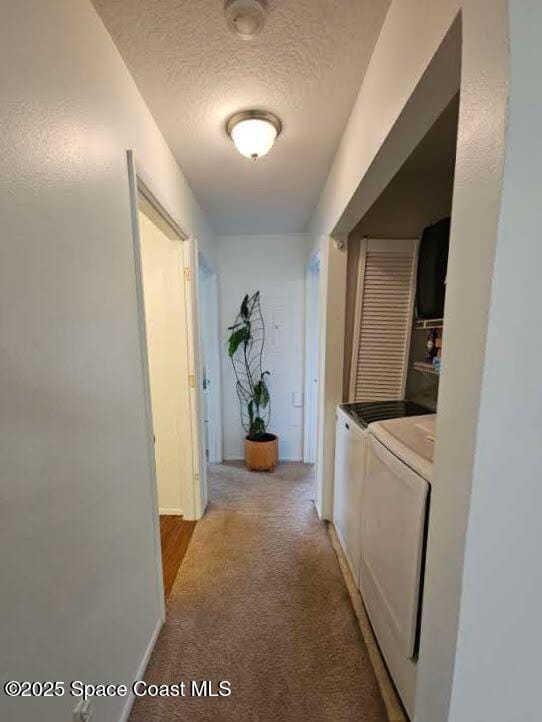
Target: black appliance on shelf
432, 267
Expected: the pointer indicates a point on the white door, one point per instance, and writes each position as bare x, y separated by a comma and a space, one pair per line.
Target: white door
205, 380
210, 361
167, 345
198, 488
312, 345
393, 516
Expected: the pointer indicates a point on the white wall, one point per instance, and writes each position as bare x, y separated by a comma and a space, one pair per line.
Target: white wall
392, 113
275, 266
80, 579
497, 671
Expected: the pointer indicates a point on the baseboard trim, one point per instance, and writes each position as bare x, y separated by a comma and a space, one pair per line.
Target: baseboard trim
141, 671
170, 512
394, 708
296, 459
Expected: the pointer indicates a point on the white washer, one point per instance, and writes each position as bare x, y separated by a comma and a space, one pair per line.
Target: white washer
350, 445
353, 422
394, 504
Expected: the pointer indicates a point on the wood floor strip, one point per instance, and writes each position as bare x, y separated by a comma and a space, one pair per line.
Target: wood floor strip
175, 535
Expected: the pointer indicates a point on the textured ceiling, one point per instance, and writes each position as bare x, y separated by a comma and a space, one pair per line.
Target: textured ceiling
306, 66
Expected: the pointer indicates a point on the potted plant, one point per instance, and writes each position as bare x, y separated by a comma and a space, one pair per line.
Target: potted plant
245, 348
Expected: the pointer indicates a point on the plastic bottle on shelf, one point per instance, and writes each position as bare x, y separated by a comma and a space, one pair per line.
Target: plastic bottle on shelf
431, 346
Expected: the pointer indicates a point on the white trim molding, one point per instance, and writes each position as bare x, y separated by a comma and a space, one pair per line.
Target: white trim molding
141, 670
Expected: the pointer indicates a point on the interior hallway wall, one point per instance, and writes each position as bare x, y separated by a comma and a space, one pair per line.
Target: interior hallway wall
275, 266
497, 668
80, 574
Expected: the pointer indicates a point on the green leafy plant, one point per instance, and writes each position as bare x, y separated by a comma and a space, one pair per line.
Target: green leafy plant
245, 348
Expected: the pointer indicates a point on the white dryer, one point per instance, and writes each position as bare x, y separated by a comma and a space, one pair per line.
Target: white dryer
394, 514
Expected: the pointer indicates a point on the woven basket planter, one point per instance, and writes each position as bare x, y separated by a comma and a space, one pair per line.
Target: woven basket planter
262, 454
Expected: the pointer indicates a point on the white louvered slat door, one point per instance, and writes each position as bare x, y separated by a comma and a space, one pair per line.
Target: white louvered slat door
383, 321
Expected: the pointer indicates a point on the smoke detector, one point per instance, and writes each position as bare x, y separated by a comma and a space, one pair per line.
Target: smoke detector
245, 18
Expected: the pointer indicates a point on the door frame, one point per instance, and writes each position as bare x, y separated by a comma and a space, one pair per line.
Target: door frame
214, 409
143, 349
194, 490
312, 333
199, 493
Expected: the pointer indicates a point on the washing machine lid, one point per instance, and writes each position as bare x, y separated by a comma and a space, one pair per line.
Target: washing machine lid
410, 439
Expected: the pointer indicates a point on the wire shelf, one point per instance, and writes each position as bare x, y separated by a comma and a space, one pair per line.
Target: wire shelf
429, 323
425, 368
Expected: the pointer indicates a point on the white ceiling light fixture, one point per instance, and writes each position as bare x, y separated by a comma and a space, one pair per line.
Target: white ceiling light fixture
254, 132
245, 18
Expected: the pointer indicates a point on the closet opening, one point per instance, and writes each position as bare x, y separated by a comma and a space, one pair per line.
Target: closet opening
392, 349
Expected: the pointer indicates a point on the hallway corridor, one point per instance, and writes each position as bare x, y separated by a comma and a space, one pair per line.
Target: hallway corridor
260, 602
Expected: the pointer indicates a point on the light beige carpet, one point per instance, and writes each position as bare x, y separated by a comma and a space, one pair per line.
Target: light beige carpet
260, 601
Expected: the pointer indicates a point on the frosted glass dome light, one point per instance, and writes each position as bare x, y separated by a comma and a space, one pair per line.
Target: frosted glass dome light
254, 137
253, 132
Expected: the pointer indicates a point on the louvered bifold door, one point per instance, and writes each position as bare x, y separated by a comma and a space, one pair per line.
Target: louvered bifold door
383, 319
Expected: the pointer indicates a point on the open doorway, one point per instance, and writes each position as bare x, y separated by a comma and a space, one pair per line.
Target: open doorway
312, 342
210, 361
169, 345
